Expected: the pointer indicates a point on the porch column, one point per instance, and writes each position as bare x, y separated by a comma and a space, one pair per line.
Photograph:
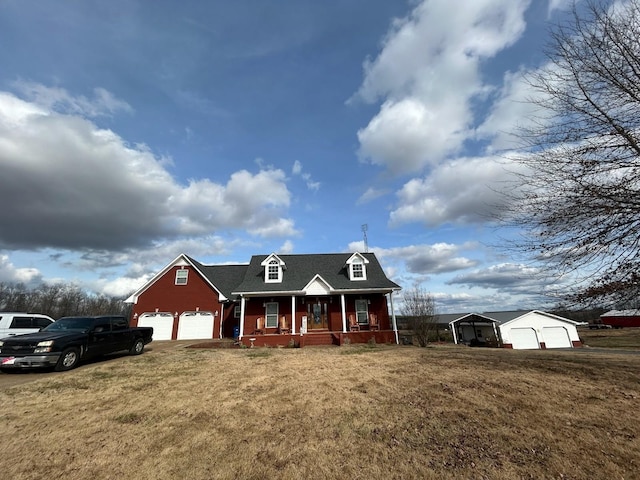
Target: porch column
293, 314
221, 317
344, 313
495, 332
242, 300
393, 318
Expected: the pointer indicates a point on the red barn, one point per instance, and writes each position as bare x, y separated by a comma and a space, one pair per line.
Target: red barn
621, 318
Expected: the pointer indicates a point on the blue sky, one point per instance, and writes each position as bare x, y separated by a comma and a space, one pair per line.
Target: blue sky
132, 131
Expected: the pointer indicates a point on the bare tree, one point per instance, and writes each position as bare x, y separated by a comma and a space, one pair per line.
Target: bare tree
419, 308
578, 197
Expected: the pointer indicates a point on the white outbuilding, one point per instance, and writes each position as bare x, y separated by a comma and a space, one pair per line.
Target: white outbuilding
528, 329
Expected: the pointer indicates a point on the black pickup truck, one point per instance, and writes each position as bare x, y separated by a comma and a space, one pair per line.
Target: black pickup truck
66, 342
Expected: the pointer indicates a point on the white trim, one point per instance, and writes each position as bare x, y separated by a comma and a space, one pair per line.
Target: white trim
293, 315
242, 302
343, 308
273, 260
393, 319
357, 259
182, 279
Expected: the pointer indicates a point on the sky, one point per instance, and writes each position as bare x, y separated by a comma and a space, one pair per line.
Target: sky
135, 130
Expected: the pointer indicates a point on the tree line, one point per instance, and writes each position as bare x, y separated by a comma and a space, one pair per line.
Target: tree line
58, 300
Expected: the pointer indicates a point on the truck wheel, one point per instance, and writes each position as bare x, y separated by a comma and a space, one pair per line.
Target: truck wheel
68, 360
137, 347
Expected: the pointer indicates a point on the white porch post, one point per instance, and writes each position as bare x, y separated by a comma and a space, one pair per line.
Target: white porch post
221, 317
344, 313
393, 318
293, 315
242, 301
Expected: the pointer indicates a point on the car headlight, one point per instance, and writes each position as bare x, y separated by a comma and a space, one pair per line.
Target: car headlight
43, 347
1, 343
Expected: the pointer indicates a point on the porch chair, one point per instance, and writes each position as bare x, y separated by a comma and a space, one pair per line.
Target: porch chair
373, 322
354, 326
259, 326
283, 327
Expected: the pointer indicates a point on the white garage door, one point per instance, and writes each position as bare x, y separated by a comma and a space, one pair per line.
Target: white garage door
556, 337
161, 322
195, 326
524, 338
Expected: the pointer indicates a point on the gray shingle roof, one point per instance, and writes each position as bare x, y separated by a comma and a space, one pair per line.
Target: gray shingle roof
225, 277
301, 269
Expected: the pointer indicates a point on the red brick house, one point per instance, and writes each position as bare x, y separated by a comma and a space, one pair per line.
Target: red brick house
274, 300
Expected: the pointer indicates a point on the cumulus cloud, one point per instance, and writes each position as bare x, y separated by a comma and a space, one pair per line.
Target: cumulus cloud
428, 73
513, 277
9, 273
423, 259
463, 191
72, 185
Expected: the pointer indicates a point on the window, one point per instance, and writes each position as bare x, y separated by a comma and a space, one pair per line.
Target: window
362, 312
271, 315
181, 276
236, 311
41, 322
119, 323
357, 267
357, 270
21, 322
273, 271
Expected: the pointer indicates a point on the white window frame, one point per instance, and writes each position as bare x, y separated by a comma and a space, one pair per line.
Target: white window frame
357, 270
182, 276
360, 311
273, 267
271, 319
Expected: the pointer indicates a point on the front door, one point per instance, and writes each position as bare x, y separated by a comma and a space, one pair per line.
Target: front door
318, 316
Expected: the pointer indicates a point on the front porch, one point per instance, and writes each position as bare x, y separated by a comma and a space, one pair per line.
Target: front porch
318, 338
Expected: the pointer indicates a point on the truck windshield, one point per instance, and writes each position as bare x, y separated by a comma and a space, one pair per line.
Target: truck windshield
78, 324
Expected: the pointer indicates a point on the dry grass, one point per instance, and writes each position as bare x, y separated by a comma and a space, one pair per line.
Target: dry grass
330, 413
624, 338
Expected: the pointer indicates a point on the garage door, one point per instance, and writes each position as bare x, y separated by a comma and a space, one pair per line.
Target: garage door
523, 338
195, 325
556, 337
162, 323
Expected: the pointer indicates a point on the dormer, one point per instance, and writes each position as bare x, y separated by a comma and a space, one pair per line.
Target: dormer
273, 268
357, 267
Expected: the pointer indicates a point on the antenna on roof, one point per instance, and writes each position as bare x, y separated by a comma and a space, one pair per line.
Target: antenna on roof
365, 227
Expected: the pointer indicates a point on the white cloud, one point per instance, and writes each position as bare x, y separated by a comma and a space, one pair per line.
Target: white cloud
311, 184
463, 191
286, 248
428, 73
10, 274
422, 259
89, 189
103, 102
371, 194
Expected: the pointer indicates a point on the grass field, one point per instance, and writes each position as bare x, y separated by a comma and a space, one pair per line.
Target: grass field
330, 413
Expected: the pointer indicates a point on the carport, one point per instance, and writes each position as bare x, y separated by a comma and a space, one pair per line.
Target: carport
475, 330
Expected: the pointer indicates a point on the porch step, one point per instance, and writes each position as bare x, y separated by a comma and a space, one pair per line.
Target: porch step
324, 338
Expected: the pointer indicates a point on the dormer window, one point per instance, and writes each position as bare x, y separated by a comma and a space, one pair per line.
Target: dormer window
273, 271
273, 268
357, 266
182, 276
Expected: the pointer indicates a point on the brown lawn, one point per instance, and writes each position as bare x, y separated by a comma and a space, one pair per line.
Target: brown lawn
356, 412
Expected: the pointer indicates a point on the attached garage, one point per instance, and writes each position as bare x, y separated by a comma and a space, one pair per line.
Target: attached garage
196, 326
162, 323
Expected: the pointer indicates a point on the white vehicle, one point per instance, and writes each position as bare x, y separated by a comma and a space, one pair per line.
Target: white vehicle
12, 323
